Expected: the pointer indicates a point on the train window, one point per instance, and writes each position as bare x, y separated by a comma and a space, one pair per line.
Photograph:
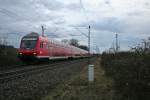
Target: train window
41, 45
47, 46
30, 44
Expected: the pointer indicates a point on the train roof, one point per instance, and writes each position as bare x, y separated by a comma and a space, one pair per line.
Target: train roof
32, 34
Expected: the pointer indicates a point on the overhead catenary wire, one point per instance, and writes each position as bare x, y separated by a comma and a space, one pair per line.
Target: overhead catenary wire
84, 10
14, 15
81, 32
87, 18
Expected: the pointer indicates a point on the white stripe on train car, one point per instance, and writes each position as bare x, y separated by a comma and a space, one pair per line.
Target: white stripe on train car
59, 57
42, 56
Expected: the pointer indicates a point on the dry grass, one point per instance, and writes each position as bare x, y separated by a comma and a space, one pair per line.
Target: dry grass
78, 87
130, 72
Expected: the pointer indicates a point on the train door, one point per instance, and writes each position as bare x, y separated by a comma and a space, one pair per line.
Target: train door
47, 52
44, 49
41, 49
51, 50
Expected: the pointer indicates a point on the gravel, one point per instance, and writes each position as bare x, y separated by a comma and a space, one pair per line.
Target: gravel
34, 86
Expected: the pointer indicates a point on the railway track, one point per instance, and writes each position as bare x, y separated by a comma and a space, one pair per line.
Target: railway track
12, 74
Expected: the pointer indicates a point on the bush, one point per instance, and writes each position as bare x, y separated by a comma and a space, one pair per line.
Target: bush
8, 57
131, 74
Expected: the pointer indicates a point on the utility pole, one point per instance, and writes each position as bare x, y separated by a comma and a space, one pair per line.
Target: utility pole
117, 47
89, 43
43, 30
97, 50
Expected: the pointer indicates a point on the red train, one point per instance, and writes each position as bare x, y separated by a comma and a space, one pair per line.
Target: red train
40, 47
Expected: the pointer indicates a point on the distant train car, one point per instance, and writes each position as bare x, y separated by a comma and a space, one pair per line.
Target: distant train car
34, 46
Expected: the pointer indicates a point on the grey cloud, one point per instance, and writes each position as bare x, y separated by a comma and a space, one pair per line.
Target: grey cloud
137, 13
24, 15
74, 6
146, 3
51, 4
111, 24
127, 25
107, 2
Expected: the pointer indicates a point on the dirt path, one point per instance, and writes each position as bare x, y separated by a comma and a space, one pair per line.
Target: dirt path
78, 87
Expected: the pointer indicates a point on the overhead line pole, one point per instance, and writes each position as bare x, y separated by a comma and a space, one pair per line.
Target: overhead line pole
89, 44
117, 47
81, 32
43, 30
88, 37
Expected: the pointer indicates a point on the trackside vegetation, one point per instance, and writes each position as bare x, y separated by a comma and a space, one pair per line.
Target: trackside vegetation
130, 72
8, 57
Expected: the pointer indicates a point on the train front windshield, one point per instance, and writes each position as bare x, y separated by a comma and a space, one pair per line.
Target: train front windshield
28, 43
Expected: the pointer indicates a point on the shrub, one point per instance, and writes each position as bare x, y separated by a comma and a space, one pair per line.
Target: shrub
131, 74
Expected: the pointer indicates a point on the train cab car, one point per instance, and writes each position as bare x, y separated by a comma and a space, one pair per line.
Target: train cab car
33, 46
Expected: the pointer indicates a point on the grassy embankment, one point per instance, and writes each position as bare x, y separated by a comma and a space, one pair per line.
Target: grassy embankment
78, 87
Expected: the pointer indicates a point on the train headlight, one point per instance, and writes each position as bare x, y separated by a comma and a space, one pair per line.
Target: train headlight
20, 53
40, 52
34, 53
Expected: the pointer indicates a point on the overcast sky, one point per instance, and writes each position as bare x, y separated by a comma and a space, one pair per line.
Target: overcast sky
65, 18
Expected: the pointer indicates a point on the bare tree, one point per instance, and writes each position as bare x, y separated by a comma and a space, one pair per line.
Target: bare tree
143, 47
65, 41
74, 42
